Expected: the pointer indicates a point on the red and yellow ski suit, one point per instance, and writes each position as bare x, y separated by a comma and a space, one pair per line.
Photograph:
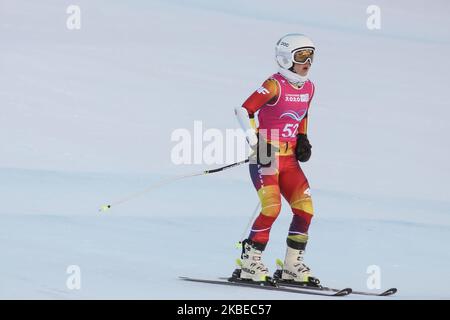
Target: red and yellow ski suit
284, 108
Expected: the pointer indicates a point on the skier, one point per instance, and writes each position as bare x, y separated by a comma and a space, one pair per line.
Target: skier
279, 142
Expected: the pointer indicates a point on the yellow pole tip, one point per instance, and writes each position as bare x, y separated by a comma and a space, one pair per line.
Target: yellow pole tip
105, 208
279, 262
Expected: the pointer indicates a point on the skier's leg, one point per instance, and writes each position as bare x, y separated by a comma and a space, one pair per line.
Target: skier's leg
252, 248
295, 188
270, 198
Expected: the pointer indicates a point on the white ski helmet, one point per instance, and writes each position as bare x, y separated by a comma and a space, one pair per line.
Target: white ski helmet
284, 50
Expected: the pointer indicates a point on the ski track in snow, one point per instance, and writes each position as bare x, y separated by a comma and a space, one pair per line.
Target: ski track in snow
87, 117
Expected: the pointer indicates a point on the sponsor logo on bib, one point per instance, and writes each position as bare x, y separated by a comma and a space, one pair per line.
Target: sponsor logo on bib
304, 97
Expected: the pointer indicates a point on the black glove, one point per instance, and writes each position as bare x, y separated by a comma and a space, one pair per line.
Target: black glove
265, 154
303, 148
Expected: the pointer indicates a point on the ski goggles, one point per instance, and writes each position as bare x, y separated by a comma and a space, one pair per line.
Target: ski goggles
302, 56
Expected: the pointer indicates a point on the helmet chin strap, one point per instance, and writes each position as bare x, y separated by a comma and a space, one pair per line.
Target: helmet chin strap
293, 77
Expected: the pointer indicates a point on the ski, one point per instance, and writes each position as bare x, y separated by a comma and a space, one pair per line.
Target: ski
292, 284
289, 284
268, 286
388, 292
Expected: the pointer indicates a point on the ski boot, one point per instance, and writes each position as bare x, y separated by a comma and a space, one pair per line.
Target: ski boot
250, 268
294, 270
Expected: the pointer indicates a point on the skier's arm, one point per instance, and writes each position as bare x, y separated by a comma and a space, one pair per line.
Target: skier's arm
247, 124
303, 128
303, 147
246, 114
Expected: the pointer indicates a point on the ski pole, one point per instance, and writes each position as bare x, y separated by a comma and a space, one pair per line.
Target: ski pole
167, 181
239, 244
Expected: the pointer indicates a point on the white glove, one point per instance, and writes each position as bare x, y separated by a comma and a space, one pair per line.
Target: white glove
244, 121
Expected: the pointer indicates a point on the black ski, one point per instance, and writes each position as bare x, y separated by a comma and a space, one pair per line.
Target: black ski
317, 286
269, 286
290, 284
388, 292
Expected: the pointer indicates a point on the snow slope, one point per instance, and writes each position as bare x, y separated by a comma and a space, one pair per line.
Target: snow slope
87, 116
